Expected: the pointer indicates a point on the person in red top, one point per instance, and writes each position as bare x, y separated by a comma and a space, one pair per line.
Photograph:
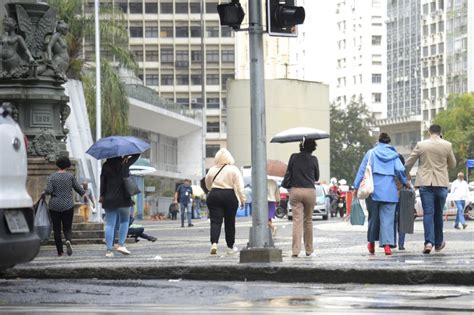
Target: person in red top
334, 194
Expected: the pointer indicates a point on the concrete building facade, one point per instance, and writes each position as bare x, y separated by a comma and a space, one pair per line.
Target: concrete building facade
360, 58
289, 104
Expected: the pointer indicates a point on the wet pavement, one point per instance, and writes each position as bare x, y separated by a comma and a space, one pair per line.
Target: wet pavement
199, 297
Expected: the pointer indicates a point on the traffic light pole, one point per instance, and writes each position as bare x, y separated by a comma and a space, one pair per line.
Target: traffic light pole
260, 247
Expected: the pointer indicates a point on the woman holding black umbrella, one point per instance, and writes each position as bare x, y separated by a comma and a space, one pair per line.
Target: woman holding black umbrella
301, 176
116, 200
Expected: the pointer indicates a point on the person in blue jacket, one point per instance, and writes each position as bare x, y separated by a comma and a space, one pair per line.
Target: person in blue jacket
381, 204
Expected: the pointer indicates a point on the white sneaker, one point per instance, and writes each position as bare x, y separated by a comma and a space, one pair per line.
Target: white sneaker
232, 250
214, 249
313, 254
123, 250
109, 254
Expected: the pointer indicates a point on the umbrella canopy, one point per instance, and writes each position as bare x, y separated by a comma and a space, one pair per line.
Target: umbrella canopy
299, 134
276, 168
114, 146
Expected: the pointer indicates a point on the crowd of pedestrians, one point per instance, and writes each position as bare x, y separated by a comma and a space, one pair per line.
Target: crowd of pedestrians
389, 170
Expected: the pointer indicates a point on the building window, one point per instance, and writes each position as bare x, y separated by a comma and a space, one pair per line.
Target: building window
376, 78
166, 8
211, 7
433, 28
151, 31
441, 91
195, 31
136, 8
228, 55
211, 149
121, 5
182, 31
376, 4
138, 53
182, 79
195, 7
425, 30
212, 79
182, 58
441, 26
440, 48
212, 56
377, 60
213, 103
152, 55
441, 69
151, 8
136, 31
196, 56
196, 79
226, 77
433, 6
425, 94
433, 71
425, 72
167, 55
426, 8
152, 79
226, 31
167, 79
433, 50
181, 8
376, 40
425, 51
212, 31
376, 97
166, 32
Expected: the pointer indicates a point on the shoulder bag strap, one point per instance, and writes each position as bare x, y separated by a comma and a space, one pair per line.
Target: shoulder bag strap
217, 173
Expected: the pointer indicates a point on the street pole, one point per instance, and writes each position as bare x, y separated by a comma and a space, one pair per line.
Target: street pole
203, 88
260, 247
98, 113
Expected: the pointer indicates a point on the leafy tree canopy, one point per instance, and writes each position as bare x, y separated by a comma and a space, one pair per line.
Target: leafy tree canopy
350, 138
457, 123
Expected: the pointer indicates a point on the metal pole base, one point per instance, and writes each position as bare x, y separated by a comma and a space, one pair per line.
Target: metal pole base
260, 255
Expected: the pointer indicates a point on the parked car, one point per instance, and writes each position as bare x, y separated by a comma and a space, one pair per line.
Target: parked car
450, 208
321, 207
19, 242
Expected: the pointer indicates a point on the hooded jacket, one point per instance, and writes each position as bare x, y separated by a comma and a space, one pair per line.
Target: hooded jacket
230, 176
386, 167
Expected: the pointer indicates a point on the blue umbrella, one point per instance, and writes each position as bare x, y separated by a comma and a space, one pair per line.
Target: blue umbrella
114, 146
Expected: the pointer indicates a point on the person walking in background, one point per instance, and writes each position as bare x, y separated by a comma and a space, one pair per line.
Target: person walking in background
88, 202
300, 178
460, 193
61, 203
197, 207
273, 198
183, 195
435, 156
116, 201
226, 186
248, 200
382, 203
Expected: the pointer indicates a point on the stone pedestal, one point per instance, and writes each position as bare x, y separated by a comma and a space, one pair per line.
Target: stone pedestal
260, 255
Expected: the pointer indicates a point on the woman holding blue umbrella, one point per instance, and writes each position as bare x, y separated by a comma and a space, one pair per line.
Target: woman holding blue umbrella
121, 152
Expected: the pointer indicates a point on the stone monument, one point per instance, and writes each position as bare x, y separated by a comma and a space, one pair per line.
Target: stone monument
33, 64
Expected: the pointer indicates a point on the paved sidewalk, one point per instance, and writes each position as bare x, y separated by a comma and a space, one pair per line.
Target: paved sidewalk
341, 258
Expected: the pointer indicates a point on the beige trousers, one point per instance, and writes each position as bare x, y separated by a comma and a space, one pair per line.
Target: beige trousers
302, 202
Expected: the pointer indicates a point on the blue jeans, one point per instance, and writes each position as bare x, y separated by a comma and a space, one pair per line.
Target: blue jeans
197, 213
186, 211
433, 200
460, 214
401, 236
111, 215
248, 209
381, 221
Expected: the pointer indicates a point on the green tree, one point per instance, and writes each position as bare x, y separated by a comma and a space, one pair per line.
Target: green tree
350, 138
115, 54
457, 123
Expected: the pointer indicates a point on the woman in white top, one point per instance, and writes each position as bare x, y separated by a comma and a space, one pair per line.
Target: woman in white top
226, 186
460, 193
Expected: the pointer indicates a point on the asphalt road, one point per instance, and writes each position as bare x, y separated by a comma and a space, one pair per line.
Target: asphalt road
198, 297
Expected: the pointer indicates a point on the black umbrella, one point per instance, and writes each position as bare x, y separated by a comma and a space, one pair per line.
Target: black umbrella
299, 134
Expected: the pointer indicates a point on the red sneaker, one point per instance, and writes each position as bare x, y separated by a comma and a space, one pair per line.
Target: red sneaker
371, 247
387, 250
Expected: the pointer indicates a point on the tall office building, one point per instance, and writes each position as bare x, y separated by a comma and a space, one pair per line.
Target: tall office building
361, 54
165, 36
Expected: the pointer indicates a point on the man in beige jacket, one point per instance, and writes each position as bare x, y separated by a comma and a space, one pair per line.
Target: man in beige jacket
435, 156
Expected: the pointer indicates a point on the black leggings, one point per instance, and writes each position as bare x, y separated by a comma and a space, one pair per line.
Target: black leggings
222, 204
64, 217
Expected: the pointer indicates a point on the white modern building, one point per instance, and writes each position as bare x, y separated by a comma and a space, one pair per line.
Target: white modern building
360, 58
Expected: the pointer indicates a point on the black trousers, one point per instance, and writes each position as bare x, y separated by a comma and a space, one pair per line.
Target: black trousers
222, 204
63, 218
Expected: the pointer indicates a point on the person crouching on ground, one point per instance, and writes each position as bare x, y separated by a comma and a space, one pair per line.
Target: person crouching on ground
61, 203
226, 186
382, 203
116, 201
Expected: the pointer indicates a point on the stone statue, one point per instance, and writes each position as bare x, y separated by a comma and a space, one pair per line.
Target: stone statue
12, 51
57, 57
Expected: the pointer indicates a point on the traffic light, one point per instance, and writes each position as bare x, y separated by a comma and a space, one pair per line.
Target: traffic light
231, 14
283, 16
